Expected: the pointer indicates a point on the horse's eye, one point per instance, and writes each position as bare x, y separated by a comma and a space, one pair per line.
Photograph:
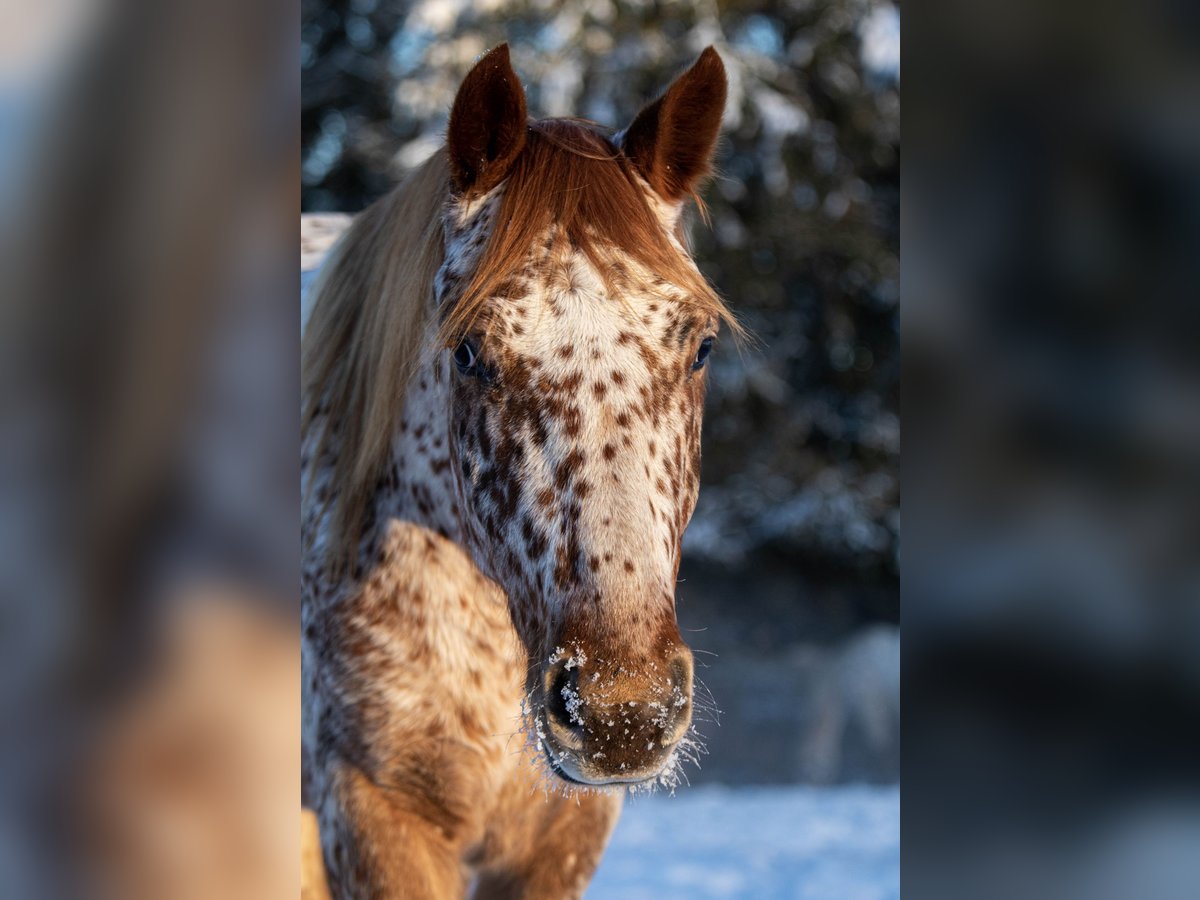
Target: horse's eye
706, 346
466, 356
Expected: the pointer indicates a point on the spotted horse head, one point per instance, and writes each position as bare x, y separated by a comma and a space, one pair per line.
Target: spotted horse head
578, 329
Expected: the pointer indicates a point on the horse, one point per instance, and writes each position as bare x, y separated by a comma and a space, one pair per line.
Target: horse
503, 379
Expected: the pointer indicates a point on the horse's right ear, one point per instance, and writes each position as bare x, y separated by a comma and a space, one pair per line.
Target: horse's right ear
487, 124
672, 140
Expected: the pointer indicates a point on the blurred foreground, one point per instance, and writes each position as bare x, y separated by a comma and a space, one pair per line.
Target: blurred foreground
1051, 342
148, 647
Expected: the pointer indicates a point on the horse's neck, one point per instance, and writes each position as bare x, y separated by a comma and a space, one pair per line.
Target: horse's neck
419, 486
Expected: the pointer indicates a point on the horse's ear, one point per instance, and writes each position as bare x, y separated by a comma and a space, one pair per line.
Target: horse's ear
671, 141
487, 124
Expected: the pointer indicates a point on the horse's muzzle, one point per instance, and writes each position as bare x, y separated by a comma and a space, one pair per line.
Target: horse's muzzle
603, 722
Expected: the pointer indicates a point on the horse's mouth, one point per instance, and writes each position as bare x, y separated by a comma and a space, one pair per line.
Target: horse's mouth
559, 770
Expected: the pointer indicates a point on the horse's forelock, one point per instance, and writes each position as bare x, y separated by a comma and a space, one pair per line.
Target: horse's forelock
570, 177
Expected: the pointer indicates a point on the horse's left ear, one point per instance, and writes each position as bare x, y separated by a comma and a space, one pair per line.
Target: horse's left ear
672, 140
487, 124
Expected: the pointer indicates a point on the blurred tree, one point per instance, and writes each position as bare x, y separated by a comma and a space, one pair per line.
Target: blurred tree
802, 445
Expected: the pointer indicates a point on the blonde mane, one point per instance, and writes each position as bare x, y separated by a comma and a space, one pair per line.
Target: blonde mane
372, 306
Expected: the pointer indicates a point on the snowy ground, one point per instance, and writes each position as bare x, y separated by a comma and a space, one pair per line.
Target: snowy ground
755, 843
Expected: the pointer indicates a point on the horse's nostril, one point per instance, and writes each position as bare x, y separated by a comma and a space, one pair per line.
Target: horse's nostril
681, 694
681, 674
560, 692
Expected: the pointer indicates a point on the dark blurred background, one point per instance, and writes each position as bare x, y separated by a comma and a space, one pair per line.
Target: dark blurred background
1051, 595
790, 573
149, 374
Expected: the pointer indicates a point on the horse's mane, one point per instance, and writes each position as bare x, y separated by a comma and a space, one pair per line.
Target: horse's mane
363, 342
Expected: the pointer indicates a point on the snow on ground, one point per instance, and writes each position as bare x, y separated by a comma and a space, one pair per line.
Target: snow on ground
762, 843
